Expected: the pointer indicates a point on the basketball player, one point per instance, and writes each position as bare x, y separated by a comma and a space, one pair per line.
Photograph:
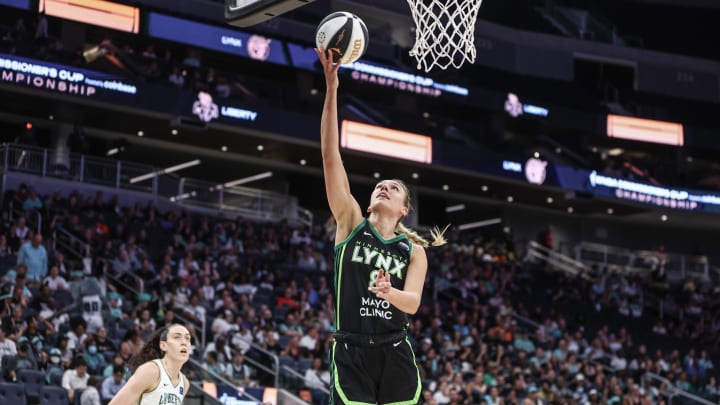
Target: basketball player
158, 379
380, 268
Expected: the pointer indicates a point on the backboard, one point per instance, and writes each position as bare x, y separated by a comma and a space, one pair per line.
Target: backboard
245, 13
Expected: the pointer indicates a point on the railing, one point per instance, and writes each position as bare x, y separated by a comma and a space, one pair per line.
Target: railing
559, 21
274, 371
248, 202
199, 367
671, 391
596, 253
244, 201
714, 273
60, 239
640, 261
556, 260
34, 217
301, 377
305, 217
284, 397
198, 396
57, 239
117, 281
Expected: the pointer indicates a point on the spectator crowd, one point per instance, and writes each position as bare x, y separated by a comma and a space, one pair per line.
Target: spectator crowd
258, 288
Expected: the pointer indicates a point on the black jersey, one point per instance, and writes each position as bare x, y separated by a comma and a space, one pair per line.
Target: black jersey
357, 261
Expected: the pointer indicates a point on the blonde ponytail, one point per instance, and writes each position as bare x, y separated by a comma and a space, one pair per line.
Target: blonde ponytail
438, 236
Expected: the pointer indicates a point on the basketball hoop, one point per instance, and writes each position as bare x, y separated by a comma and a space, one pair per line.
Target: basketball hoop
444, 33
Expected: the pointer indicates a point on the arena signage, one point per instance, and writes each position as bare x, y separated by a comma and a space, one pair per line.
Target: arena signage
206, 110
534, 169
515, 108
385, 141
219, 39
238, 113
373, 73
384, 76
95, 12
645, 130
21, 4
654, 195
59, 78
230, 395
511, 166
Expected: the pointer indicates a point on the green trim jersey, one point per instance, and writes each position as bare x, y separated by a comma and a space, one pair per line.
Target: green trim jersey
357, 261
165, 393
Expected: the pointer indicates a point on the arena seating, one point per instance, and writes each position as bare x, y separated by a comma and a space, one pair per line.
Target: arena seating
490, 319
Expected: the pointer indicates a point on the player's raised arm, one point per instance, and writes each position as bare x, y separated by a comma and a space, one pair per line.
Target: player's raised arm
343, 205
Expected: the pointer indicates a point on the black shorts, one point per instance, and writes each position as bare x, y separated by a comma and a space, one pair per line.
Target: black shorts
382, 374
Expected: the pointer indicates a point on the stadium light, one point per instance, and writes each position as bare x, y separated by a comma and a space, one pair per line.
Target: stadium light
167, 170
183, 196
454, 208
245, 180
479, 224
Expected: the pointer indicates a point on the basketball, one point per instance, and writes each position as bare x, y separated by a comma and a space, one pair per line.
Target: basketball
344, 34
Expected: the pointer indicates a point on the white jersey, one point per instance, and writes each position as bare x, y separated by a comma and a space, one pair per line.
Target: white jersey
165, 393
92, 307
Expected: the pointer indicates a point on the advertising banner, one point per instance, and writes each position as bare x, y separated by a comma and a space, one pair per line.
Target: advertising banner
21, 4
645, 130
84, 83
65, 79
643, 193
95, 12
219, 39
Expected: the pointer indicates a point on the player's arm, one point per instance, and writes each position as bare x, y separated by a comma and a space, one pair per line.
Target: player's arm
145, 379
407, 299
343, 205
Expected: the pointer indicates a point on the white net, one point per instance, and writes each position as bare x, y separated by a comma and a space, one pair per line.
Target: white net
445, 32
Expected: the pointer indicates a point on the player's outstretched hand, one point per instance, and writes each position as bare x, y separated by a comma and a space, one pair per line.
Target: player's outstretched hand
329, 68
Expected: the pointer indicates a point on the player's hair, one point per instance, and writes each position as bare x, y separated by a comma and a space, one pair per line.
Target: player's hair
438, 236
151, 349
